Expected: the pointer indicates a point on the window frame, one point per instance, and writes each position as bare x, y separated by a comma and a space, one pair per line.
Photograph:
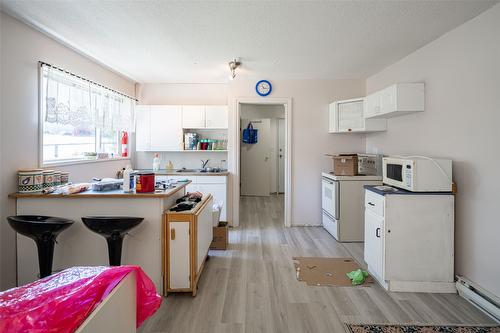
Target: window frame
74, 161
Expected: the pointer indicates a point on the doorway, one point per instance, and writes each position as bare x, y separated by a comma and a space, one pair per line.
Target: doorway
262, 169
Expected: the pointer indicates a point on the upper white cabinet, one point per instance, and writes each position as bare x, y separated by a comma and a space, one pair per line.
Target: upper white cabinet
348, 117
193, 116
166, 127
158, 128
142, 128
205, 116
216, 116
395, 100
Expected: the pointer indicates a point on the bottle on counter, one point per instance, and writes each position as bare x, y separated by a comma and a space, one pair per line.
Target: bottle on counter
156, 163
170, 166
128, 179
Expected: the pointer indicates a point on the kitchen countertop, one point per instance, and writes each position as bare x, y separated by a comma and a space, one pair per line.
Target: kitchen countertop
106, 194
395, 190
359, 177
174, 172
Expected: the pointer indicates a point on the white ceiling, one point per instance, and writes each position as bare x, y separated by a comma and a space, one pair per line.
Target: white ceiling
179, 41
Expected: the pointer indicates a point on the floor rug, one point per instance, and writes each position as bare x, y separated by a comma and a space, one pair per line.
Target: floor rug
365, 328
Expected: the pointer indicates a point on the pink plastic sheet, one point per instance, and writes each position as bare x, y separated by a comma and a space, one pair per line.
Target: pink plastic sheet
61, 302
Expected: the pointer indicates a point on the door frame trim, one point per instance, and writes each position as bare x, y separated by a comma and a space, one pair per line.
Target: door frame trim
235, 153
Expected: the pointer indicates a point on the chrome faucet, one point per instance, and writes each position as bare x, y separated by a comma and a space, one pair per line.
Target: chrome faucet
204, 164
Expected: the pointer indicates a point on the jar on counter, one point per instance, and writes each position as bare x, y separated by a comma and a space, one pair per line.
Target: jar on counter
30, 181
64, 177
48, 178
57, 178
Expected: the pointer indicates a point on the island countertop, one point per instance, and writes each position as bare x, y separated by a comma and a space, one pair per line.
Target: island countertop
105, 194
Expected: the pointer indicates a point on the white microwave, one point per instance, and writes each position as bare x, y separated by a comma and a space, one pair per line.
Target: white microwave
418, 173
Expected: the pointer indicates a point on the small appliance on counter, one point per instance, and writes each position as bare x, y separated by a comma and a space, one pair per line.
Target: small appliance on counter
107, 184
418, 173
145, 182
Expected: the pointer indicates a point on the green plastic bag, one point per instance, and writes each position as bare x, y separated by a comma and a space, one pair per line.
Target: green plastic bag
358, 276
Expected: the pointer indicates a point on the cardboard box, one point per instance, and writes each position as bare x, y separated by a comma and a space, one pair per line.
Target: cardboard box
345, 165
220, 239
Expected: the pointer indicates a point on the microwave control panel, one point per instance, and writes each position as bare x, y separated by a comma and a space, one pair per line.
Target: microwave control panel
408, 174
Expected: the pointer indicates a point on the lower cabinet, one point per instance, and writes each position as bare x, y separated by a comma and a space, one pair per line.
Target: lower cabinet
215, 185
187, 237
409, 241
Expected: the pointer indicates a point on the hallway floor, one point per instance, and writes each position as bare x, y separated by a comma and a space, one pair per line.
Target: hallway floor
252, 287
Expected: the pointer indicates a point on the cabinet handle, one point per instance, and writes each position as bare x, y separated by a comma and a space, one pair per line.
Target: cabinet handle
377, 232
172, 234
371, 204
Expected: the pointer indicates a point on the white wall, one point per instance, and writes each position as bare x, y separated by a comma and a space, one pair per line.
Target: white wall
272, 112
21, 48
461, 71
310, 141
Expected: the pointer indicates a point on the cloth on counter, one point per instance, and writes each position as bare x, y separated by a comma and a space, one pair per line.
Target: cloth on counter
61, 302
183, 206
191, 196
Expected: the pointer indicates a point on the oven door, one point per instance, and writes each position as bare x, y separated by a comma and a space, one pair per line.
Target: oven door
330, 197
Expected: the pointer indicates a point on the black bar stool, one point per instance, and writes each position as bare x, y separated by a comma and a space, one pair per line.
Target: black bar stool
113, 228
44, 231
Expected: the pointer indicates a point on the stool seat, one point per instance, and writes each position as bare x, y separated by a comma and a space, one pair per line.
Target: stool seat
44, 231
113, 228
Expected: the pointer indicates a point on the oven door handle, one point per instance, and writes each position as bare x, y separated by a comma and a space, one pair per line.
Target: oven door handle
377, 232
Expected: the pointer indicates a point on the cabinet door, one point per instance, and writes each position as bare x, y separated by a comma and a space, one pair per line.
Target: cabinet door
374, 243
193, 116
388, 99
218, 192
204, 233
333, 119
166, 128
350, 116
372, 105
178, 250
216, 116
142, 128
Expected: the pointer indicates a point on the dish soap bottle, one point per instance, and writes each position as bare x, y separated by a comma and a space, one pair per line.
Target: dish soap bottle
128, 179
156, 163
170, 166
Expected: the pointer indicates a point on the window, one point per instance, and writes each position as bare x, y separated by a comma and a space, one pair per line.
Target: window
81, 120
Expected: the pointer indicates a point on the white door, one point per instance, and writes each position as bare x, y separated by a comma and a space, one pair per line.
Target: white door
142, 128
281, 155
374, 251
216, 116
255, 163
193, 116
166, 128
178, 234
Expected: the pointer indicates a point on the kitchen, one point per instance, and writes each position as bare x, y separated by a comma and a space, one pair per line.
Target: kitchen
441, 130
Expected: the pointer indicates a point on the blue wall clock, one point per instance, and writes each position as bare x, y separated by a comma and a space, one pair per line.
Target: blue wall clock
263, 88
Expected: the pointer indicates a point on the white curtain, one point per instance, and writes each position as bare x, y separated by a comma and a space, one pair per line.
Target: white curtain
74, 101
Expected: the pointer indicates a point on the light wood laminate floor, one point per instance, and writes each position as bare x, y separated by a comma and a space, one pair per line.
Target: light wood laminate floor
252, 287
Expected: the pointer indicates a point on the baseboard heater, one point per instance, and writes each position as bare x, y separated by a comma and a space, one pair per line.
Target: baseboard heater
479, 297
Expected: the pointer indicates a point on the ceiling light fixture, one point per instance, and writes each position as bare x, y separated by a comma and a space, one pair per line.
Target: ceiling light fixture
233, 64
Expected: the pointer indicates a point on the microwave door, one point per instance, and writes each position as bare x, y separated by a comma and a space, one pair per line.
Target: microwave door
330, 197
395, 172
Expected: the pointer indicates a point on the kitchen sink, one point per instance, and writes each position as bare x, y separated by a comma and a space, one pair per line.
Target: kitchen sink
189, 170
206, 170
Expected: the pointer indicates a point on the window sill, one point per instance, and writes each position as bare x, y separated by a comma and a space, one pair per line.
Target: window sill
75, 162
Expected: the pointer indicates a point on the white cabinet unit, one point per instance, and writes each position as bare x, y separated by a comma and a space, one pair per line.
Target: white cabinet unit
142, 128
216, 116
166, 128
193, 116
158, 128
395, 100
342, 203
187, 236
409, 240
348, 117
215, 185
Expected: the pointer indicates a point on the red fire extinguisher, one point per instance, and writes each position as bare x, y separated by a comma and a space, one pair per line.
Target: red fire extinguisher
124, 144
